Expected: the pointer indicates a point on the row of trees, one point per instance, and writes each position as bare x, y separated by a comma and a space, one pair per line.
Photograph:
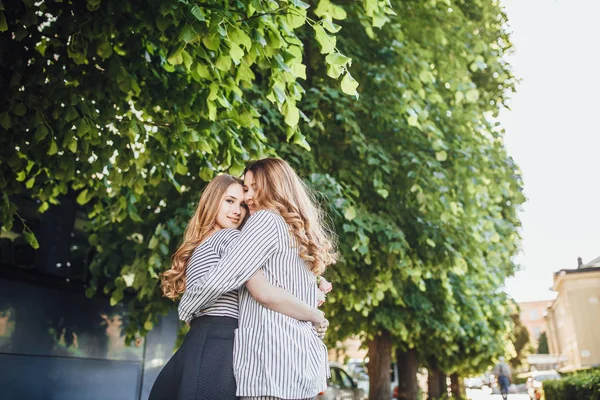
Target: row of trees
130, 107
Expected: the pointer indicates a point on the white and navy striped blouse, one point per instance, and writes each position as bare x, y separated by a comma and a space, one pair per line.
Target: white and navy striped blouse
274, 355
203, 258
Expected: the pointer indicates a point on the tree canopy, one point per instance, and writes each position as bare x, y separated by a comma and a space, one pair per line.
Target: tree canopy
127, 105
130, 107
417, 173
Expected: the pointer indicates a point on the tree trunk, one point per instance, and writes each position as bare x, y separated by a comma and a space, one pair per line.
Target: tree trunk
380, 359
456, 387
436, 384
407, 374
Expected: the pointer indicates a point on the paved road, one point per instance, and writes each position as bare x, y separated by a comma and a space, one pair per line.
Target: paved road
482, 395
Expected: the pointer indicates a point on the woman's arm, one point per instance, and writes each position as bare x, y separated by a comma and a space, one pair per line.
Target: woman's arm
256, 244
220, 241
282, 301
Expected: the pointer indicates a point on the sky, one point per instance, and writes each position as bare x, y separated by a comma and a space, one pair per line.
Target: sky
553, 133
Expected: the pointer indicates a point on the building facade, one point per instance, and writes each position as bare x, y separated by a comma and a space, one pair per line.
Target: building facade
55, 343
574, 317
532, 317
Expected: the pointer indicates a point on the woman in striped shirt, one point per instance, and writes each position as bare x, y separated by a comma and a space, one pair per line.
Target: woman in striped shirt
275, 357
202, 367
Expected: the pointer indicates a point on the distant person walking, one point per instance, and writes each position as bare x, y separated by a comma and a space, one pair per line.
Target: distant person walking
503, 376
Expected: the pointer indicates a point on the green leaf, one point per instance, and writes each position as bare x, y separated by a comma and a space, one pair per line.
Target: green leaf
83, 198
90, 292
3, 24
337, 59
300, 140
20, 109
148, 325
212, 110
5, 120
73, 146
240, 37
349, 85
40, 133
223, 63
30, 182
291, 114
181, 169
176, 57
153, 243
236, 53
53, 148
330, 26
187, 59
350, 213
441, 156
413, 120
188, 34
104, 50
211, 42
31, 239
298, 70
334, 71
430, 242
296, 19
300, 3
82, 128
206, 174
163, 22
198, 13
326, 42
383, 193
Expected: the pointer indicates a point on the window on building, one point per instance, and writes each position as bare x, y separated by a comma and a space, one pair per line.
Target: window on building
533, 314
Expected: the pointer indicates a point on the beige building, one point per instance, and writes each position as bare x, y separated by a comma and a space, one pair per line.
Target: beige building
574, 317
532, 317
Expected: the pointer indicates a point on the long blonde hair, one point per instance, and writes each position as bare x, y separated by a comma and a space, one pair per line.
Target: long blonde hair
279, 188
200, 226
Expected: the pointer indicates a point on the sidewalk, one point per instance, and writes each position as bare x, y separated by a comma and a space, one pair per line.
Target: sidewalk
476, 394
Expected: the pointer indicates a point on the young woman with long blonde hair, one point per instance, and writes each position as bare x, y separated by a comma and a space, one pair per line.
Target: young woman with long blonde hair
286, 240
202, 367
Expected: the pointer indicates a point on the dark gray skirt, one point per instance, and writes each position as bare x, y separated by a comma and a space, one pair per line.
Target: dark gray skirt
202, 368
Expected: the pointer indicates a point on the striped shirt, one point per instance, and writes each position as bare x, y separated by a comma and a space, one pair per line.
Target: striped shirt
204, 257
274, 355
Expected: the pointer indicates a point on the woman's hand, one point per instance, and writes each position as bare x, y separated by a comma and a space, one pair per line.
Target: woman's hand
322, 329
320, 323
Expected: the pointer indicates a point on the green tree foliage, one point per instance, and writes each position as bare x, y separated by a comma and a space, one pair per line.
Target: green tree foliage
130, 106
424, 194
126, 105
520, 340
543, 344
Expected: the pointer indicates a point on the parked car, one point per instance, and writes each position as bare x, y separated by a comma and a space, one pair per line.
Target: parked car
358, 370
340, 386
476, 382
535, 382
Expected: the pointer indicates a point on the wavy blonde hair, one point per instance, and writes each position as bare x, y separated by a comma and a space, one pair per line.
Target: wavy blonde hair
200, 226
278, 188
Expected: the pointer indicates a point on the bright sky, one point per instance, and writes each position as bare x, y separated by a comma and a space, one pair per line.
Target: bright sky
553, 134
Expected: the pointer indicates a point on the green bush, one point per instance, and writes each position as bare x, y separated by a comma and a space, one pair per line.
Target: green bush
578, 386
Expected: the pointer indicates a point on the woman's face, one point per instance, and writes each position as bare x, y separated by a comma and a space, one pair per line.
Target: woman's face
250, 192
231, 212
